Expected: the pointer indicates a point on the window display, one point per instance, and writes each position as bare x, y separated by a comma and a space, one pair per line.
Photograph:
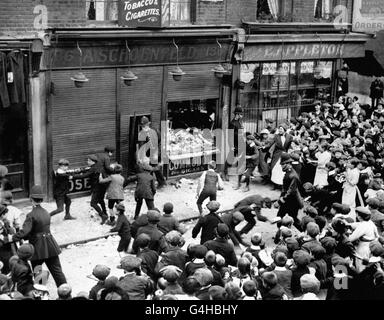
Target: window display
190, 134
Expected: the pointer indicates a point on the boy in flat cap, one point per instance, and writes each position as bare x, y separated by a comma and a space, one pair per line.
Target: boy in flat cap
207, 186
168, 222
208, 223
145, 187
61, 187
123, 228
158, 242
174, 255
220, 244
21, 272
101, 272
148, 257
137, 285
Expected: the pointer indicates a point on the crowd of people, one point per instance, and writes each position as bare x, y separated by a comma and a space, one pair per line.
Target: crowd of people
328, 164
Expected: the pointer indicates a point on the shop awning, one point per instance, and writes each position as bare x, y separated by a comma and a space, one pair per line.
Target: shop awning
275, 47
372, 64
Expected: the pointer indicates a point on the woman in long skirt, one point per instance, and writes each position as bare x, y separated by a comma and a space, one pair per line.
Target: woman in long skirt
323, 157
350, 185
282, 142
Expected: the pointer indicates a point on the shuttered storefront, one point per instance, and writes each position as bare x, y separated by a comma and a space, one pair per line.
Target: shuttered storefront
83, 120
143, 97
199, 82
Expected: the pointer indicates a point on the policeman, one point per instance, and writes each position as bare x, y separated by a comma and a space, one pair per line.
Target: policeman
36, 229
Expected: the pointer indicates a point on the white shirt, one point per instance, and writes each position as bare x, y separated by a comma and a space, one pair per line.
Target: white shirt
13, 216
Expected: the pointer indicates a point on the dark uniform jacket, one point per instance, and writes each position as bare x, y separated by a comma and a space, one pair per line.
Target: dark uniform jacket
221, 246
235, 125
36, 229
207, 225
290, 192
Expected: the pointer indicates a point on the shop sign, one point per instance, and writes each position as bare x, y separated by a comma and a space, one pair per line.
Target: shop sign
185, 166
140, 13
78, 185
302, 51
145, 54
368, 16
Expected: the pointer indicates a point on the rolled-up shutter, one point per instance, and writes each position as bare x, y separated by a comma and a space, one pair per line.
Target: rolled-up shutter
83, 120
199, 82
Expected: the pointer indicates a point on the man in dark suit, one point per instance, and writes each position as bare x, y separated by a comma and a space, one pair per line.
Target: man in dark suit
36, 229
290, 199
235, 129
149, 141
145, 188
208, 223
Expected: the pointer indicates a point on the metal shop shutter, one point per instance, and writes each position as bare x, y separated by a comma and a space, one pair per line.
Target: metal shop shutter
199, 82
83, 120
143, 97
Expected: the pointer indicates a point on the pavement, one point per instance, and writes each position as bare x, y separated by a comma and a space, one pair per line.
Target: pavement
79, 260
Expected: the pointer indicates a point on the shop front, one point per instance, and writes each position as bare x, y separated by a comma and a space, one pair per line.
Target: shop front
108, 108
282, 75
15, 115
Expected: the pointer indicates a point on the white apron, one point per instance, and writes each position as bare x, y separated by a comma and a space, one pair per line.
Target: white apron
349, 188
277, 174
321, 176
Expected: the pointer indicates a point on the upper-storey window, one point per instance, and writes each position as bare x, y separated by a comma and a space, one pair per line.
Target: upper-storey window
323, 9
180, 12
269, 9
102, 10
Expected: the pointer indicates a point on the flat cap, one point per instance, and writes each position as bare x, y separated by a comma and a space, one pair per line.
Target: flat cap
171, 273
26, 251
376, 248
309, 282
222, 230
64, 290
217, 293
341, 208
213, 205
168, 207
301, 257
130, 262
153, 216
251, 137
173, 237
204, 276
101, 272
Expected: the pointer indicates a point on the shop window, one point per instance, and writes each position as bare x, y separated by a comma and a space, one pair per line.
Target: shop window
102, 10
180, 12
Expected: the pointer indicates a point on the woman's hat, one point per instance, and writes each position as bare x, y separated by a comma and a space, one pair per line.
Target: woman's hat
144, 120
